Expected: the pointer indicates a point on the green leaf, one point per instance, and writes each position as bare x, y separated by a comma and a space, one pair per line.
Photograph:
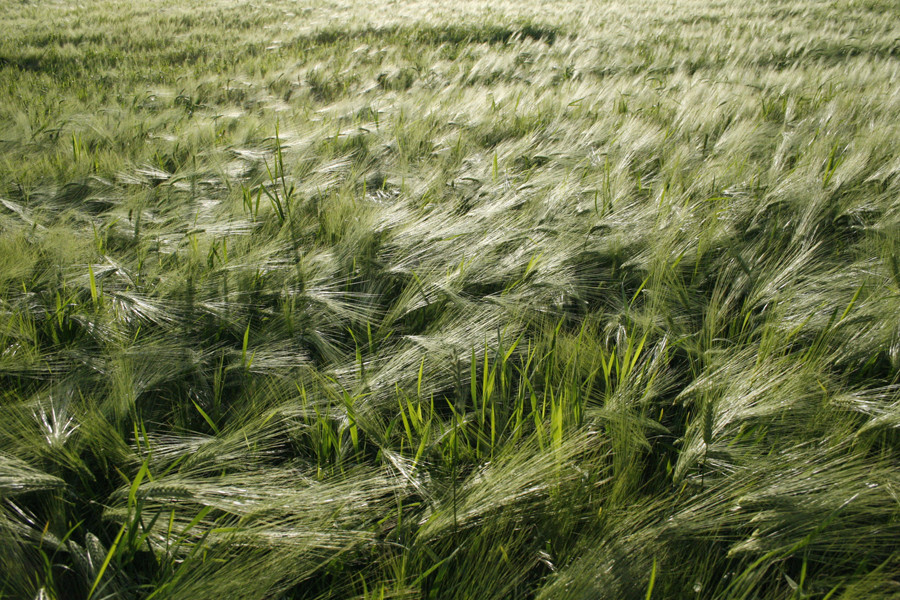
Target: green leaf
94, 295
106, 561
132, 493
205, 417
652, 581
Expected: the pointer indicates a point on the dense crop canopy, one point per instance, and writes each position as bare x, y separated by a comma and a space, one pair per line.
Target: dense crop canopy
485, 300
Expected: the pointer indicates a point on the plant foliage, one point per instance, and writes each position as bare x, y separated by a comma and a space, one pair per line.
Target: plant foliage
490, 300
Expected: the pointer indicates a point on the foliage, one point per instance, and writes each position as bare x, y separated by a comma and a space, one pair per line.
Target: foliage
475, 301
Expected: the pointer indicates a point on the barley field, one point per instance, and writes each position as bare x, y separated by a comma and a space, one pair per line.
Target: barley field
482, 299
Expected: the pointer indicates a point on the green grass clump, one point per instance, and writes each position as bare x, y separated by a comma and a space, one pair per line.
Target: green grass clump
475, 301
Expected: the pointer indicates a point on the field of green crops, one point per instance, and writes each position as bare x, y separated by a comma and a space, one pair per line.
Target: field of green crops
470, 300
